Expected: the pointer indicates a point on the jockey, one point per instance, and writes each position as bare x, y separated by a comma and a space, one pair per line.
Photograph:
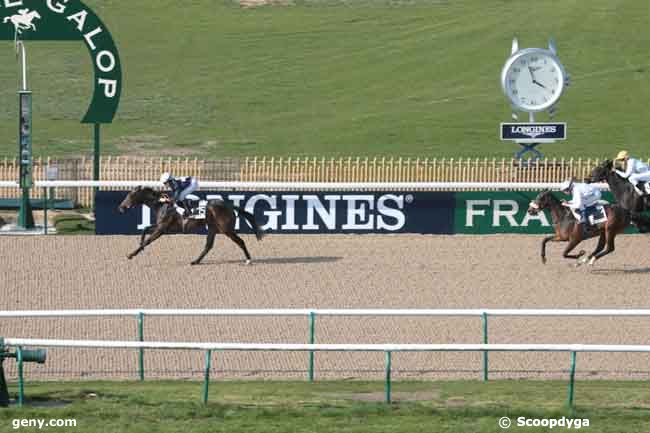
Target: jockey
584, 196
181, 187
635, 171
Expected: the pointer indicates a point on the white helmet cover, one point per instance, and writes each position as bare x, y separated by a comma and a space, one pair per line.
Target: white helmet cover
165, 177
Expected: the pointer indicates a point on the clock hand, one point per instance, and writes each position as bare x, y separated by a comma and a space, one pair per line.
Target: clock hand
530, 70
539, 84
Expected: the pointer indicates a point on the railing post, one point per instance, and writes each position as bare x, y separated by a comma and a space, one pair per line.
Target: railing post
312, 340
141, 350
572, 375
206, 381
21, 383
388, 369
484, 318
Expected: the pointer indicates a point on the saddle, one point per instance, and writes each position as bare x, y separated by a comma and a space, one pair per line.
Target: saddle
595, 214
196, 206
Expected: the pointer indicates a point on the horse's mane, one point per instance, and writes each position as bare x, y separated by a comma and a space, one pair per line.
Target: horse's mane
146, 193
149, 190
608, 164
548, 193
553, 198
552, 202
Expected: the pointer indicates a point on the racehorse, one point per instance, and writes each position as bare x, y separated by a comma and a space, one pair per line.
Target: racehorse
567, 228
219, 218
624, 193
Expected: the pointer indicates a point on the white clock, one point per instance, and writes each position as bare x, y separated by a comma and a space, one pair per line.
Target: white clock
533, 79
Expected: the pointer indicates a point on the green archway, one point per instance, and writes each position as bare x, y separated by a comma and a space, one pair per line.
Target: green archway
70, 20
63, 20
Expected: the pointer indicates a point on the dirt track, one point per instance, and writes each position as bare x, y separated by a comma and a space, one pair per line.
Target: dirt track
325, 272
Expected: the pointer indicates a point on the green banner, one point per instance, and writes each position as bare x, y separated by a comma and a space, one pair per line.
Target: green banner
498, 212
70, 20
486, 212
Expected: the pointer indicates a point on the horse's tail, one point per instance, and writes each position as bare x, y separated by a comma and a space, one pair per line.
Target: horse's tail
250, 218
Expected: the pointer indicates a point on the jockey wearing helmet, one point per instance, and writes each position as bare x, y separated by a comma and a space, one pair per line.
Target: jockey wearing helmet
180, 187
635, 170
584, 196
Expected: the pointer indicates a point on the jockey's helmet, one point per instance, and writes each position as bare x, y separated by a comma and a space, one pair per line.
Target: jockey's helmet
166, 177
623, 155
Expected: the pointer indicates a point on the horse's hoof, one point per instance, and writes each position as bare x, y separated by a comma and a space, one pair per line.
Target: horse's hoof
195, 262
543, 260
130, 256
248, 262
592, 261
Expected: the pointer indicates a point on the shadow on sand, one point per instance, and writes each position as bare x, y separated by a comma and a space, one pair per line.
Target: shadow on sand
621, 271
278, 260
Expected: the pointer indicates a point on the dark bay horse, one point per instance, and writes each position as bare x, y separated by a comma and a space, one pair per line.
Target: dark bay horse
567, 228
220, 218
624, 194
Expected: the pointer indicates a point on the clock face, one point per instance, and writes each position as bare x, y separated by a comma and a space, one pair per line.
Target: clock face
533, 79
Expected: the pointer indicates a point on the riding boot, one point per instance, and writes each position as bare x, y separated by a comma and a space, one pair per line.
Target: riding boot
584, 225
188, 207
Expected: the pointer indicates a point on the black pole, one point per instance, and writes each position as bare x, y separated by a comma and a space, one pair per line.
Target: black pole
4, 392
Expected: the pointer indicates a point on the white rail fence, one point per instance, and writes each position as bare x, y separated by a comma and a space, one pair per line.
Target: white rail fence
313, 314
48, 189
388, 349
379, 186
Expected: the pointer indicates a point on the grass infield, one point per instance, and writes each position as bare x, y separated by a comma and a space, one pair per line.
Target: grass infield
340, 406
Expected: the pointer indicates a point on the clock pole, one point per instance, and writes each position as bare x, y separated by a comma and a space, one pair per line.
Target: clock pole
529, 147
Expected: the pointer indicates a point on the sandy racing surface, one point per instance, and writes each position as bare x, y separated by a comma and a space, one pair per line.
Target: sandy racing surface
333, 271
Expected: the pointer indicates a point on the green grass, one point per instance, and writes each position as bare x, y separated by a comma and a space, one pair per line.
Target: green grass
366, 77
73, 224
457, 406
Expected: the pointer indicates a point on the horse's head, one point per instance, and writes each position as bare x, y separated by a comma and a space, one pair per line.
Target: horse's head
601, 171
544, 200
139, 196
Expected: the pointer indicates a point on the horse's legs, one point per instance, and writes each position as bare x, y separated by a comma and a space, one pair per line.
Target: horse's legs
239, 241
145, 232
158, 233
209, 243
544, 242
610, 236
600, 246
572, 244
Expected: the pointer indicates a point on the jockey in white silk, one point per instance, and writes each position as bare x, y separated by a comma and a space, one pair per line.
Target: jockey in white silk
583, 196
